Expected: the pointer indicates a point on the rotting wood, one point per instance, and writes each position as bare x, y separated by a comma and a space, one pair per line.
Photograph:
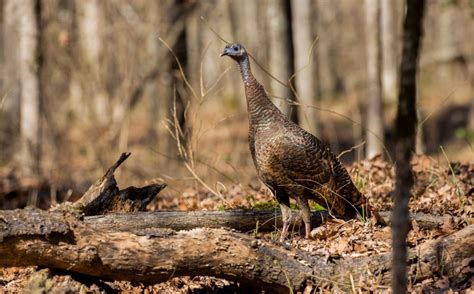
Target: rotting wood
105, 196
62, 240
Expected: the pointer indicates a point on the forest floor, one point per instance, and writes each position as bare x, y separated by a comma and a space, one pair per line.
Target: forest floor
441, 189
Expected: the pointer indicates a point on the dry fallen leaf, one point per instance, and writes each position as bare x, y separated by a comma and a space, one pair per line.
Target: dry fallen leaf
384, 234
360, 248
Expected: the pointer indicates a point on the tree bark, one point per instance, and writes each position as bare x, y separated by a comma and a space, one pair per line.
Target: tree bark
249, 25
90, 23
304, 65
30, 93
390, 52
405, 131
375, 125
281, 55
447, 38
61, 240
327, 20
10, 104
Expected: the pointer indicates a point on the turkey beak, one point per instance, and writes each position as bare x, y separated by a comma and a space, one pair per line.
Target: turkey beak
225, 52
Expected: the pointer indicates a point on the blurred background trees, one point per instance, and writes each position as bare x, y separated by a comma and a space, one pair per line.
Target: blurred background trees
82, 81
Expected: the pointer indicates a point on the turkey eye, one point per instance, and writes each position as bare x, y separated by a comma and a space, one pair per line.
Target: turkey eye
236, 49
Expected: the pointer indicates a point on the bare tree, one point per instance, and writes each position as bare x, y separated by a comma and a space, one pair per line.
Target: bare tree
447, 45
202, 43
245, 21
280, 53
194, 32
89, 20
10, 97
375, 126
29, 64
305, 68
247, 27
326, 15
405, 130
389, 54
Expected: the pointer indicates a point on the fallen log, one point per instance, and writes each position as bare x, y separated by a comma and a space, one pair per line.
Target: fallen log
245, 220
62, 240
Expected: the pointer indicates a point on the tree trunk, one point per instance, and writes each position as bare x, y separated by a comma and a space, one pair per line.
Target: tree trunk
10, 103
447, 43
405, 130
90, 23
281, 55
245, 25
221, 15
194, 33
390, 52
327, 20
29, 67
375, 125
178, 102
304, 65
244, 17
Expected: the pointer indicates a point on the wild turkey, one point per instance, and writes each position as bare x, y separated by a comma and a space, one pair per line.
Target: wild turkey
290, 161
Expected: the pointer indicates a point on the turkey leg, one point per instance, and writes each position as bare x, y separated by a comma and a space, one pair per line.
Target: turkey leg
306, 215
286, 216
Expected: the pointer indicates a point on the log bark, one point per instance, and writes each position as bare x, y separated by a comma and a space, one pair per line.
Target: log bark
62, 240
244, 220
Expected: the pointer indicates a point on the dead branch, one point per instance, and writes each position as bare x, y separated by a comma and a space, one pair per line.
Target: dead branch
151, 255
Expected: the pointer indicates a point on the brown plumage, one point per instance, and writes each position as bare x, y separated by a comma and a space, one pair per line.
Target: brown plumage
290, 161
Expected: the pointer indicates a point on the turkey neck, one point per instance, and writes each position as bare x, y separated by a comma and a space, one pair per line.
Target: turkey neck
261, 110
